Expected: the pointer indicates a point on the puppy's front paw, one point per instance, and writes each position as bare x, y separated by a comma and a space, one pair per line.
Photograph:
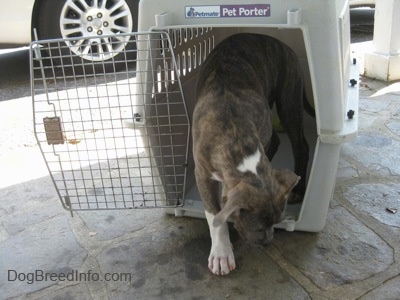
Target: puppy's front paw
221, 260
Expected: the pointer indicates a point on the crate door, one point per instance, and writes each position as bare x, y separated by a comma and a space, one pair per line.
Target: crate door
113, 132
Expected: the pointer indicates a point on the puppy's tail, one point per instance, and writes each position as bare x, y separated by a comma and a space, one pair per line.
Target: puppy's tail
307, 106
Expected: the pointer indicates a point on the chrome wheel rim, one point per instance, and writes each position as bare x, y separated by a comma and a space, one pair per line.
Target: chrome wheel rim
97, 25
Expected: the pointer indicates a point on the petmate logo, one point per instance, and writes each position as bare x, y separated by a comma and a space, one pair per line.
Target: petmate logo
203, 11
228, 11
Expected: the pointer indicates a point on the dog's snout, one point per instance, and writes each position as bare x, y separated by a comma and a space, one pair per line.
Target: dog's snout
269, 236
255, 237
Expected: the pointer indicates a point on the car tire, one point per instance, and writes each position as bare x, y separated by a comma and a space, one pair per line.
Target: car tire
99, 45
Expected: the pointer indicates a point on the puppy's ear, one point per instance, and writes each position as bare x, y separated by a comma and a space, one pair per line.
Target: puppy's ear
235, 201
286, 180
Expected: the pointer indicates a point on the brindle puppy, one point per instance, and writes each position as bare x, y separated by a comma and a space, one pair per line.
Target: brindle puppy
233, 139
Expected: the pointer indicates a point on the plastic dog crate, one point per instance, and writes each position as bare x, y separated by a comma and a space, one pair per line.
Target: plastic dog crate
319, 32
120, 139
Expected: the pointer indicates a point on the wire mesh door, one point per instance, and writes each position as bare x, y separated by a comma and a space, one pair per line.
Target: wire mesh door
114, 133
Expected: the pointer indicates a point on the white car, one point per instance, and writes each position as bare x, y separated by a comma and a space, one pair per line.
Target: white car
83, 19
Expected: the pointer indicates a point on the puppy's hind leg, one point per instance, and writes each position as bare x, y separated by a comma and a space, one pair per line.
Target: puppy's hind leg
290, 111
221, 260
272, 146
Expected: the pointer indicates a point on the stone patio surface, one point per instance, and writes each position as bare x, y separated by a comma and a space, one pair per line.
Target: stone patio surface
356, 256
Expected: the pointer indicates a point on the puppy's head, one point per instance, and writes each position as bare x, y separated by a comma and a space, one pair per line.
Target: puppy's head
254, 210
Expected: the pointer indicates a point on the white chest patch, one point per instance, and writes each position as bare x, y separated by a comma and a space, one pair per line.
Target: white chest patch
250, 163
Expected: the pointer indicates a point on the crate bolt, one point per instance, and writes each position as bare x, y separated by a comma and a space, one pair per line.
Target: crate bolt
350, 114
353, 82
